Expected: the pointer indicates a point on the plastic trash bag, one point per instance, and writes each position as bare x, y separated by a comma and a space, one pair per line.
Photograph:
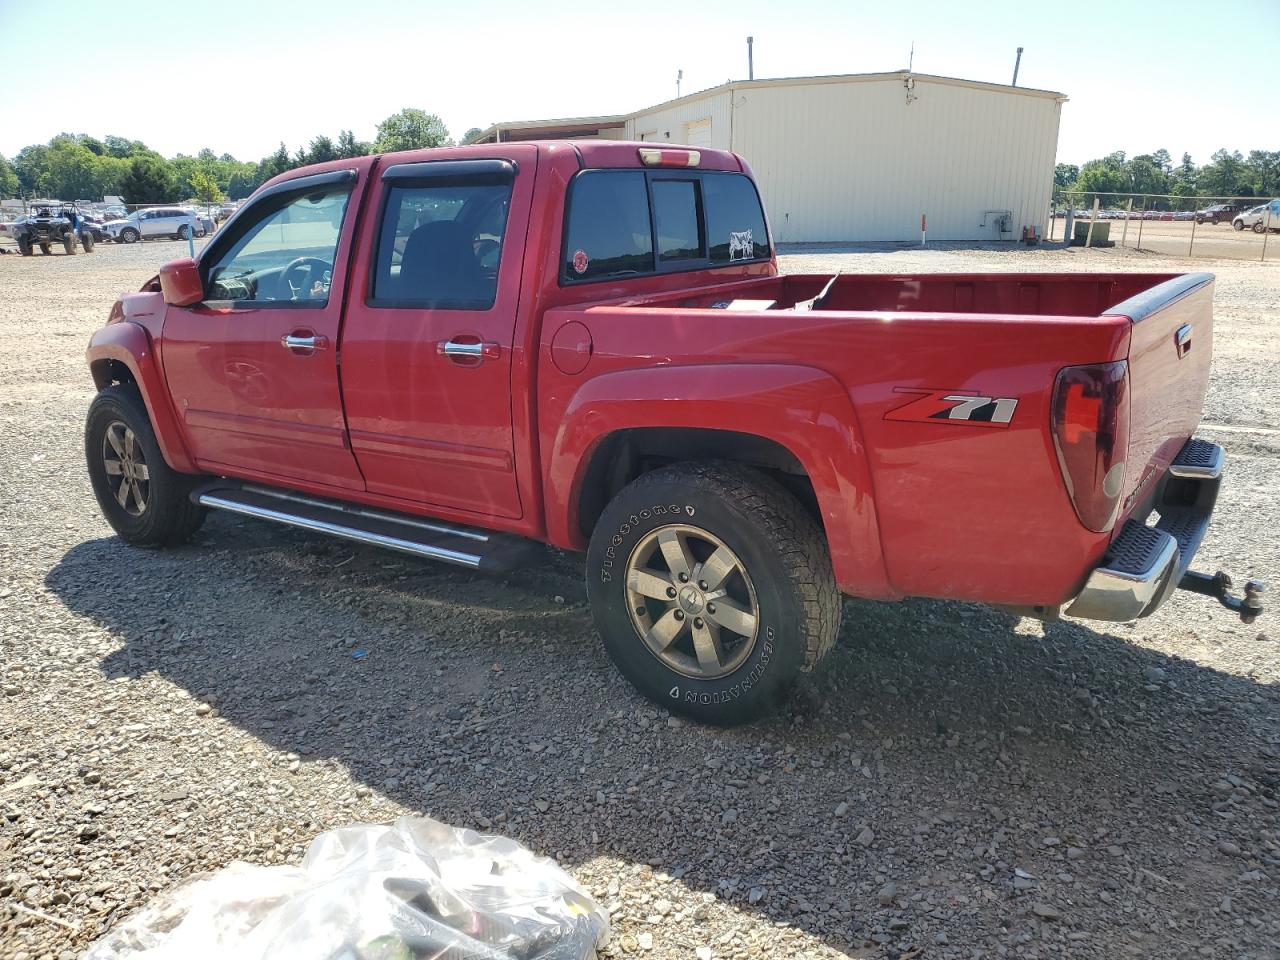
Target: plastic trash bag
416, 889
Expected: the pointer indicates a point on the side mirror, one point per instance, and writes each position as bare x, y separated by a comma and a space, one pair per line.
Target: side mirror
180, 283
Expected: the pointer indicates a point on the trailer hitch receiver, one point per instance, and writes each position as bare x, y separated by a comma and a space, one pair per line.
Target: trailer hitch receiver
1218, 586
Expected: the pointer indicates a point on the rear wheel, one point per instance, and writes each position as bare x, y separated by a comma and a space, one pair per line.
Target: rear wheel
183, 232
712, 589
142, 497
1259, 227
1238, 224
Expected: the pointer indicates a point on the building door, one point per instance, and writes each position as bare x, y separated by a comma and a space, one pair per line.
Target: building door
698, 133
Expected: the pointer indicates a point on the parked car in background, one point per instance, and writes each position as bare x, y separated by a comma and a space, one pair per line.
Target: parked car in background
44, 226
154, 223
205, 223
1257, 219
1184, 215
1220, 212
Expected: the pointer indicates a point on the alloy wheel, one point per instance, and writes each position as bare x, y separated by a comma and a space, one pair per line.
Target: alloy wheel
692, 602
128, 477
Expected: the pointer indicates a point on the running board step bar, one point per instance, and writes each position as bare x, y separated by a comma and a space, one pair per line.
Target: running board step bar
464, 546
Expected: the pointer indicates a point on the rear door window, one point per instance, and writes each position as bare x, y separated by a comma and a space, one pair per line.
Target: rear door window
440, 245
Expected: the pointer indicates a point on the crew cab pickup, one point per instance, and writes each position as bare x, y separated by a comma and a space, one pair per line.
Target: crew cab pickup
466, 353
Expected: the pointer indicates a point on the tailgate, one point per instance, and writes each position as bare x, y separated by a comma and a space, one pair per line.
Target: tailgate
1170, 349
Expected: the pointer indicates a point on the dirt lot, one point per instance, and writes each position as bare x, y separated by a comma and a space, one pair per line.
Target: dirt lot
1174, 238
956, 783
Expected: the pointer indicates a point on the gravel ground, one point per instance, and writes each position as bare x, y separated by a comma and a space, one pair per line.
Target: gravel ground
955, 783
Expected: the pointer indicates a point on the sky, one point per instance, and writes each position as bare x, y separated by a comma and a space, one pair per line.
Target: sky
240, 77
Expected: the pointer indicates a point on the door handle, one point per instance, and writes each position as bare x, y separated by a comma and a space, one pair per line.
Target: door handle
459, 351
294, 341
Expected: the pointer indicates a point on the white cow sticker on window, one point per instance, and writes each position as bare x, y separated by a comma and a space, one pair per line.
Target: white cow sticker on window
740, 245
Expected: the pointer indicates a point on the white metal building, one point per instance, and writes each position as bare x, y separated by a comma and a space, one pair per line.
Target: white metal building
862, 156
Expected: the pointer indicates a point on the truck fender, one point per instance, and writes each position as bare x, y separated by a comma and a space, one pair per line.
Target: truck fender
129, 344
803, 409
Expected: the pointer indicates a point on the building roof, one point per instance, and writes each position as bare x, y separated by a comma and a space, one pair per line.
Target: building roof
589, 126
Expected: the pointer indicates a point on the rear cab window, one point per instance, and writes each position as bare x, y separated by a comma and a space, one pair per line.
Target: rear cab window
441, 234
621, 223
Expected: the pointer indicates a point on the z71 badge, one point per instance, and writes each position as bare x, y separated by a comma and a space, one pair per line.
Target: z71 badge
954, 406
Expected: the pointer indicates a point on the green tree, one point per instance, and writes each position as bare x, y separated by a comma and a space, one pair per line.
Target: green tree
1224, 175
9, 186
470, 135
349, 146
149, 180
1263, 170
1065, 174
321, 150
1146, 175
206, 187
1103, 178
411, 129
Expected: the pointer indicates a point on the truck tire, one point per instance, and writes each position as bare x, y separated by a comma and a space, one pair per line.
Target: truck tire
129, 235
146, 501
87, 242
24, 247
46, 248
69, 244
681, 541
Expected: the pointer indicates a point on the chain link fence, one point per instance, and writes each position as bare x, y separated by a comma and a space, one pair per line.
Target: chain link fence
1234, 228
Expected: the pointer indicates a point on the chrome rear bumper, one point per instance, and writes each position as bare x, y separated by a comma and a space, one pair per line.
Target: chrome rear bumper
1143, 564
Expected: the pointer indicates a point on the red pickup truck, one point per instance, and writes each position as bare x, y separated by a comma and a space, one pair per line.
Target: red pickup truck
465, 353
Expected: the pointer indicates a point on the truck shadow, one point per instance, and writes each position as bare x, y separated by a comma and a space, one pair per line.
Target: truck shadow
490, 702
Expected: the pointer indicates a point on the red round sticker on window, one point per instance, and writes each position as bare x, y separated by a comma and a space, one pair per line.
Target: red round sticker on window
580, 261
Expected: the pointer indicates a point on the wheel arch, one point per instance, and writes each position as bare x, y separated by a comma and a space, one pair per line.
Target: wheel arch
121, 353
795, 422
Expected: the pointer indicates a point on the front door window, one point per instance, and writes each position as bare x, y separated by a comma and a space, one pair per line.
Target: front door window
286, 256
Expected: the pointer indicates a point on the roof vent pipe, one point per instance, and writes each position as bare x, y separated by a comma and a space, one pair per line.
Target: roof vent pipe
751, 69
1016, 64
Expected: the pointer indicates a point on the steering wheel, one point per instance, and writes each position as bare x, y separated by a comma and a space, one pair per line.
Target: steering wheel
314, 269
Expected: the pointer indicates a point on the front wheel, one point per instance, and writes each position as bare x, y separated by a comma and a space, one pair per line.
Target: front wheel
24, 247
69, 243
183, 232
145, 500
87, 242
130, 235
46, 248
712, 589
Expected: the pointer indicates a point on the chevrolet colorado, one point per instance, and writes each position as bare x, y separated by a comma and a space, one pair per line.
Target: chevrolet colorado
464, 353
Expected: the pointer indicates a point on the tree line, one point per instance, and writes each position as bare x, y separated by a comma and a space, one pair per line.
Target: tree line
76, 166
1229, 173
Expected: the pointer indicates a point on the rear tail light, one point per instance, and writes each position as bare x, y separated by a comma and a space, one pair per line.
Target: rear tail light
1091, 433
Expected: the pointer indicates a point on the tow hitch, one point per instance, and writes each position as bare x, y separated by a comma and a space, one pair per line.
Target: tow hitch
1218, 586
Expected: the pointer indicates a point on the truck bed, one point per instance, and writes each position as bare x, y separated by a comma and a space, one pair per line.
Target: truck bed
887, 338
1041, 294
